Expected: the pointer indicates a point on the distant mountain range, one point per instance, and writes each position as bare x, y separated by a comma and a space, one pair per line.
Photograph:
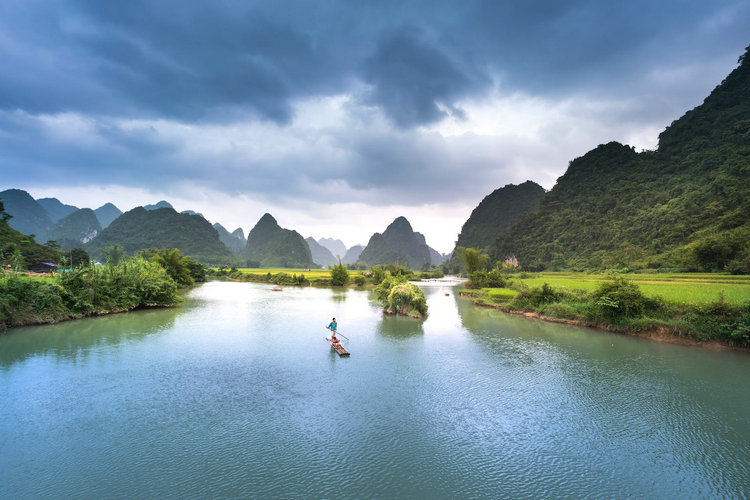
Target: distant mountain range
163, 228
235, 240
336, 247
321, 255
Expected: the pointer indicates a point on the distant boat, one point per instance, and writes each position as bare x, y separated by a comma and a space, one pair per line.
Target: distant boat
277, 288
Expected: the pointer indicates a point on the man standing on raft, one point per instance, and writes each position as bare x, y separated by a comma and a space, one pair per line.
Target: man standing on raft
332, 326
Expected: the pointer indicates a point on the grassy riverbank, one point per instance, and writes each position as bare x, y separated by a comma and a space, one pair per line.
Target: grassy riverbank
697, 306
85, 291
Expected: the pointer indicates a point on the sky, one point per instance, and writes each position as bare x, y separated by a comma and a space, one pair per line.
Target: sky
338, 116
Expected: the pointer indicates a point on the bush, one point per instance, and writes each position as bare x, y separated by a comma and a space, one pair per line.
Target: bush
378, 274
537, 296
339, 274
360, 280
619, 299
495, 279
398, 296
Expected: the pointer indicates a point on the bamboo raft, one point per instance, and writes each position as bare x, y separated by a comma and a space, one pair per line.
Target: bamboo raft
339, 349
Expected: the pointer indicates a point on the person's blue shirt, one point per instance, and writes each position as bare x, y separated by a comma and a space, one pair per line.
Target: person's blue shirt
332, 326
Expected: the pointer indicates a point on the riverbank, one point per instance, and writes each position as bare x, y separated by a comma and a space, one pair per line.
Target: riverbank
717, 326
83, 292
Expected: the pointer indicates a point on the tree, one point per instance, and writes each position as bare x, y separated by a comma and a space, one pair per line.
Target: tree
473, 259
339, 274
79, 257
175, 264
113, 254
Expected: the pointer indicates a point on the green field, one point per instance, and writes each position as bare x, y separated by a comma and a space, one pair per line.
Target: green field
682, 288
309, 274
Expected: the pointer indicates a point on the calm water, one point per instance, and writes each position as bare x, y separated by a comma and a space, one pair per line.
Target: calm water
237, 394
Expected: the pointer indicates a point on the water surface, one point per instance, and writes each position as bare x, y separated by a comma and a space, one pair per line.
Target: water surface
237, 394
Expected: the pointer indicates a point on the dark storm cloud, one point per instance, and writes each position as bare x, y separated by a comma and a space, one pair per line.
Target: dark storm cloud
221, 63
194, 60
413, 78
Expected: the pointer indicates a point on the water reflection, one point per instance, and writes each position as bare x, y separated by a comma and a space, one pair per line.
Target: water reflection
400, 327
75, 339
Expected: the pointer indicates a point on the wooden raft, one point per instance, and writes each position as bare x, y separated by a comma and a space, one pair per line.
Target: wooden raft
339, 349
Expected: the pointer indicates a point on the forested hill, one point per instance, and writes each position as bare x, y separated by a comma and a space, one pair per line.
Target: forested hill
269, 245
30, 251
163, 228
684, 206
497, 212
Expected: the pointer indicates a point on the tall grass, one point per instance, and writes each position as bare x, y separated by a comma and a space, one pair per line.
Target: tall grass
85, 291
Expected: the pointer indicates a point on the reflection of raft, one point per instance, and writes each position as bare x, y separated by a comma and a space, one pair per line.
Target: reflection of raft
339, 349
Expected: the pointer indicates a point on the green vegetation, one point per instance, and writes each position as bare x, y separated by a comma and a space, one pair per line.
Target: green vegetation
339, 274
700, 306
497, 212
84, 291
269, 245
75, 229
683, 207
182, 269
139, 229
398, 296
20, 250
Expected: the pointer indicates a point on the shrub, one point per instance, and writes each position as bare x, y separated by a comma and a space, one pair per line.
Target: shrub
360, 280
339, 274
378, 274
536, 296
618, 299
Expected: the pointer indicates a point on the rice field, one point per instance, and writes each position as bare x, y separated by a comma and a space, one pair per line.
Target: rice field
309, 274
683, 288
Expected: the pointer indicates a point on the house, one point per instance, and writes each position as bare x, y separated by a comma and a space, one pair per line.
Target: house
43, 267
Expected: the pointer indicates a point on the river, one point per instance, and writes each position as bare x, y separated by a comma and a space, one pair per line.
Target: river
236, 394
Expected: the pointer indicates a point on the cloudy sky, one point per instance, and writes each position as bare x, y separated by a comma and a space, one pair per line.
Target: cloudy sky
338, 116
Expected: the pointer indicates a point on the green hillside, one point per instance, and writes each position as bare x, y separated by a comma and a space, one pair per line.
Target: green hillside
29, 217
685, 206
75, 229
163, 228
497, 212
12, 240
398, 243
269, 245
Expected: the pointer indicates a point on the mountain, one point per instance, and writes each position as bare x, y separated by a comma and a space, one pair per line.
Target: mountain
336, 247
106, 214
188, 212
158, 205
320, 254
497, 212
683, 206
75, 229
352, 255
436, 258
163, 228
55, 209
29, 217
398, 243
232, 242
269, 245
240, 235
12, 240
